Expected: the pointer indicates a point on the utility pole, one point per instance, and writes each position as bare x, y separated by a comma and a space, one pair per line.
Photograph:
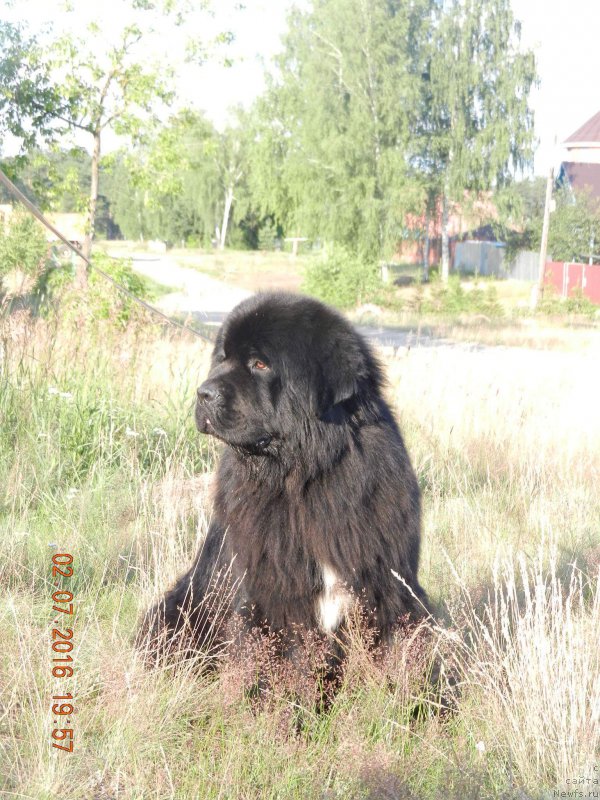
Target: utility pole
544, 244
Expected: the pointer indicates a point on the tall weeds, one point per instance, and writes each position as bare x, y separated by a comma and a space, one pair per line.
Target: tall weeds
528, 656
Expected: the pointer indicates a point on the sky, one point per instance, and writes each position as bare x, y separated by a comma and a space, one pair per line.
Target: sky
563, 35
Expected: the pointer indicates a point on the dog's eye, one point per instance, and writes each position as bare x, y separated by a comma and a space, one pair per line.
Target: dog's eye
259, 365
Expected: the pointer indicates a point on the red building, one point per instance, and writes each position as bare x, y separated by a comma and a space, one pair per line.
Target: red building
469, 219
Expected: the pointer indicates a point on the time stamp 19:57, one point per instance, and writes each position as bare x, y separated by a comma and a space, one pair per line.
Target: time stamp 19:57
62, 660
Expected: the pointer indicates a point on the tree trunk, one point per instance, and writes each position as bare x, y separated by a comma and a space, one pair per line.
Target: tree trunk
426, 249
226, 213
89, 236
445, 240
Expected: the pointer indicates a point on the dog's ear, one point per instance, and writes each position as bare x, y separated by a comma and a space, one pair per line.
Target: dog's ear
341, 372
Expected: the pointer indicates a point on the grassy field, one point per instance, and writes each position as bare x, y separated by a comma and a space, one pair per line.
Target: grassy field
248, 269
99, 459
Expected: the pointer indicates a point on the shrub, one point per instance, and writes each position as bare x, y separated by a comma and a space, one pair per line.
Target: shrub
452, 299
576, 303
342, 279
103, 300
23, 247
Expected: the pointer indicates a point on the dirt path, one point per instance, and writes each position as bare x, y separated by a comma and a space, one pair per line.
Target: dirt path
198, 295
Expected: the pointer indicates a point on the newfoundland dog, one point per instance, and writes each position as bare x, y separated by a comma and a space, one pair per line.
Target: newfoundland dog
316, 505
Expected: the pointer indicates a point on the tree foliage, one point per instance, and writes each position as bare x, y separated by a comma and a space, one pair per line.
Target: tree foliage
169, 188
379, 108
574, 232
109, 87
29, 100
183, 182
476, 127
55, 179
374, 109
23, 246
333, 130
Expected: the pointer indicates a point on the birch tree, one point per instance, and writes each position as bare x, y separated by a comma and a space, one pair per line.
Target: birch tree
231, 159
171, 187
476, 127
329, 158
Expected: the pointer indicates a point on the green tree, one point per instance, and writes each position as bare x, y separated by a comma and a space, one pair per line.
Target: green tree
124, 196
331, 135
117, 75
29, 101
109, 88
231, 160
55, 179
519, 206
574, 233
476, 125
170, 188
185, 183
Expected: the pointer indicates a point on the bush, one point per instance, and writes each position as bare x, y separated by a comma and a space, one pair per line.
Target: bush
23, 247
103, 300
577, 303
450, 298
342, 279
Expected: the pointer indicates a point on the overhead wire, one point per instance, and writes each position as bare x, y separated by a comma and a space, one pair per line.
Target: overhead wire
35, 211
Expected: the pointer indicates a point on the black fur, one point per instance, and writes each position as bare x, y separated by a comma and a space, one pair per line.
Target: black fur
315, 473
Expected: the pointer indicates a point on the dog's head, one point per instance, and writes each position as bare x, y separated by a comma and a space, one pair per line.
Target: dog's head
281, 362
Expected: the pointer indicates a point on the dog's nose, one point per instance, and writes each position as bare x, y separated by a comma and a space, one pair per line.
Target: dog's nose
208, 392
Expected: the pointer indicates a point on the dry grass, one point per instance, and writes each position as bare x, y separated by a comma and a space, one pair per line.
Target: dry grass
506, 444
247, 269
531, 659
507, 448
535, 333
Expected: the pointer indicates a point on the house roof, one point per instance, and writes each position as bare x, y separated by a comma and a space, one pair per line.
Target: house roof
582, 177
589, 132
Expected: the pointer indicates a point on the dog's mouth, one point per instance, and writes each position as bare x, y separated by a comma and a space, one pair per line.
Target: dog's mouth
255, 445
207, 426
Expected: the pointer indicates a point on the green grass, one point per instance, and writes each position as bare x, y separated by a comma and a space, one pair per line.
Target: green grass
99, 458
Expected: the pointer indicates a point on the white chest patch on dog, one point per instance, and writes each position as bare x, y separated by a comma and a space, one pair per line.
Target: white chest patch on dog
333, 602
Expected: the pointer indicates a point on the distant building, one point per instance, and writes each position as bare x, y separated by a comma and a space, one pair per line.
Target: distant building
467, 221
581, 169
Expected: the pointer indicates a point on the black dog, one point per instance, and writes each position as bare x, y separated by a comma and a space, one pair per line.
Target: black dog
316, 503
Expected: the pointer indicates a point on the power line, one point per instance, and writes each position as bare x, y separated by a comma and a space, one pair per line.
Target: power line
35, 211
